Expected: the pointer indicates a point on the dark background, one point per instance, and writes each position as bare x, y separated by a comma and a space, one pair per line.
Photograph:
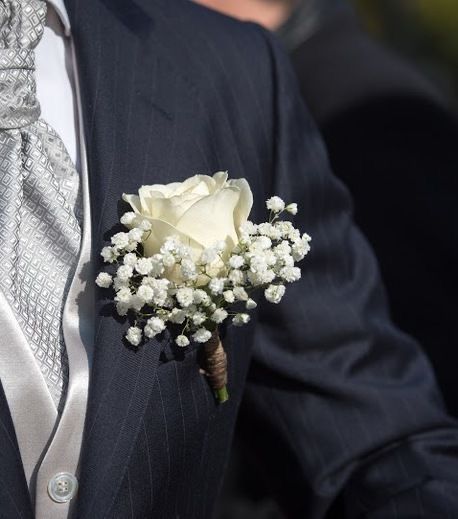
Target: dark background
425, 31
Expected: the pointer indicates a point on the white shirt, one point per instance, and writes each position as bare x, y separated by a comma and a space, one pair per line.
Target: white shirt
55, 78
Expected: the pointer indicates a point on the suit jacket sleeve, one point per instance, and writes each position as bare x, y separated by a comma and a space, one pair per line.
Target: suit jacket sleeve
342, 404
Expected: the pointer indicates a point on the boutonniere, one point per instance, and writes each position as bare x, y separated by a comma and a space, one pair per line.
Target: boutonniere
191, 259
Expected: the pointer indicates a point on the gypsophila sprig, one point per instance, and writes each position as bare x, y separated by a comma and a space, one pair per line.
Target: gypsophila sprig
162, 276
174, 286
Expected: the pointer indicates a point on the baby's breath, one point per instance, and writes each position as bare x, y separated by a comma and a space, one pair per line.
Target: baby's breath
196, 294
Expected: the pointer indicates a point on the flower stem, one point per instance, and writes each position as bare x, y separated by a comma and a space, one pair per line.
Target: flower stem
222, 395
215, 367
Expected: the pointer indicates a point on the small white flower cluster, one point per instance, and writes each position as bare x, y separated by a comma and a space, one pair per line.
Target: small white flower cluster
172, 287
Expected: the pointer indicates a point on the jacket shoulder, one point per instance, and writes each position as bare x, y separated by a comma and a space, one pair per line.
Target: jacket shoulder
221, 29
229, 49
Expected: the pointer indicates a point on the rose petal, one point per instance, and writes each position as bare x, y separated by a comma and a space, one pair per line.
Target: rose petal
211, 218
166, 189
161, 230
133, 201
220, 179
171, 209
148, 198
196, 184
243, 209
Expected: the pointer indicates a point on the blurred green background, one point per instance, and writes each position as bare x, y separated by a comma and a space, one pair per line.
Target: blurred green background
423, 30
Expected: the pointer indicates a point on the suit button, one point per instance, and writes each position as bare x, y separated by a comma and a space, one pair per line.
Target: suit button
62, 487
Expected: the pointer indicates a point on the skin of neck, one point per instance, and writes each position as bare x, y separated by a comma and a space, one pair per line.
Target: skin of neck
269, 13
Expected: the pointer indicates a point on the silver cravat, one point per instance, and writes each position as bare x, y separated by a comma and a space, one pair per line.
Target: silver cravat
40, 200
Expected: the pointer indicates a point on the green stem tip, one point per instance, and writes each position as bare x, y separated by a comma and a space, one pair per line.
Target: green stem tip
222, 395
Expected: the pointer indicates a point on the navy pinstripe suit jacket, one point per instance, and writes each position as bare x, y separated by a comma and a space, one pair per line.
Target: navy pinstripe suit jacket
344, 403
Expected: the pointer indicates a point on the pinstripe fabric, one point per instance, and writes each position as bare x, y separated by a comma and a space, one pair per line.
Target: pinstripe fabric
339, 402
14, 494
171, 89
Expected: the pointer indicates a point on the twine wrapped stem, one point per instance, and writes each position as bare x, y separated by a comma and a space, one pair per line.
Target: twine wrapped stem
215, 367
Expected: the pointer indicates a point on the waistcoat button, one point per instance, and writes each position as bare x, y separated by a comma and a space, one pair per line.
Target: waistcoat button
62, 487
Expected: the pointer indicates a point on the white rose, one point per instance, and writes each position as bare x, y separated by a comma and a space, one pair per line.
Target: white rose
201, 211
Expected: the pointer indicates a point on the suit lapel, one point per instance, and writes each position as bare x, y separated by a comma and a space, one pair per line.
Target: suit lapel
128, 96
14, 494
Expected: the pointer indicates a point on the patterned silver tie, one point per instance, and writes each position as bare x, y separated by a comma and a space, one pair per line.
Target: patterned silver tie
40, 201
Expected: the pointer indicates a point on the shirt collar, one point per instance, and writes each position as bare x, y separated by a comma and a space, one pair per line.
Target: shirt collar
61, 11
